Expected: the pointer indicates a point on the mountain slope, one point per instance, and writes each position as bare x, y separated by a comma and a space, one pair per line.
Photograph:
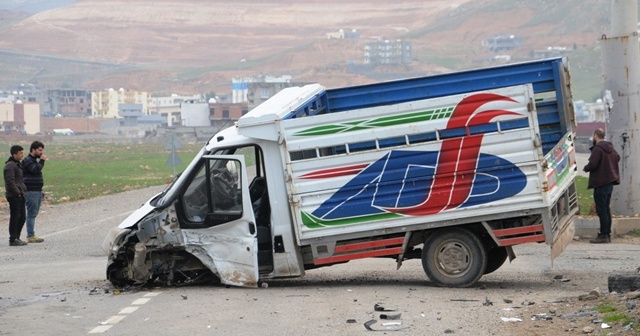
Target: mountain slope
199, 45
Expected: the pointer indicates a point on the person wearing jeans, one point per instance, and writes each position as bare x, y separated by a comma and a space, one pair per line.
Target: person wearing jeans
603, 175
15, 191
32, 166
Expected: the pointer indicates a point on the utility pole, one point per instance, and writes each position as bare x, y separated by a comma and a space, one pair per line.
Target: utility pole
621, 80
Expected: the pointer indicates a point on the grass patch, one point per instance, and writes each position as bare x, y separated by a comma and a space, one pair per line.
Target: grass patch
78, 171
634, 233
605, 308
585, 196
621, 318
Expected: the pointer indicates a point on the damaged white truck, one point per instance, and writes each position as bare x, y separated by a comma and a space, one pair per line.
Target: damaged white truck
453, 169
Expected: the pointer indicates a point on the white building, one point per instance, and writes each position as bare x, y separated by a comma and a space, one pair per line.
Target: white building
169, 106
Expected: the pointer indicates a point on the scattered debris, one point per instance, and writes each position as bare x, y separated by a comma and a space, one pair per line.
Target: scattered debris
351, 321
464, 300
631, 304
632, 295
370, 323
507, 300
587, 330
605, 326
487, 302
587, 297
528, 303
541, 316
379, 307
392, 323
557, 277
511, 319
449, 331
390, 316
628, 327
578, 314
184, 297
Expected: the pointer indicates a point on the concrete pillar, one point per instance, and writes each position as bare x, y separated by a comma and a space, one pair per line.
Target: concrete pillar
621, 80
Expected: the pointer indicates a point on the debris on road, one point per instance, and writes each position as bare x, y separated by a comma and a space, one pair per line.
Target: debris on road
368, 325
390, 316
379, 307
587, 330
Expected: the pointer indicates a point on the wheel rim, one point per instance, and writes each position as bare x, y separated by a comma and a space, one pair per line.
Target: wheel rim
453, 258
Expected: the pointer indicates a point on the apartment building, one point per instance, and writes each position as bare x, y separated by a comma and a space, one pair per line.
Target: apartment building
106, 104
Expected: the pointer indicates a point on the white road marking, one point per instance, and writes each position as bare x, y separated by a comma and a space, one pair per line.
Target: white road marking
101, 329
128, 310
113, 320
140, 301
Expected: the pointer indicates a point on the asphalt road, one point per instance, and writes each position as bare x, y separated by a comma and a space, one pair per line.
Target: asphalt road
59, 288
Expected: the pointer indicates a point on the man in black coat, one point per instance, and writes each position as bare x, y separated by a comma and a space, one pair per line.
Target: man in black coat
603, 175
14, 191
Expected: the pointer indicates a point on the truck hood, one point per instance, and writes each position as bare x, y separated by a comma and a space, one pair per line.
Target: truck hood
138, 214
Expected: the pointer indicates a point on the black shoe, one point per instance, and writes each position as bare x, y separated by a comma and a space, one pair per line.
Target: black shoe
17, 242
601, 239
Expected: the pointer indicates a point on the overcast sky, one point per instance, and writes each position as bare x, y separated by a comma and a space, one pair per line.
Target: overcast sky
33, 6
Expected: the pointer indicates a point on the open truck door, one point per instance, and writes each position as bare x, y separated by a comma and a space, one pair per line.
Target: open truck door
225, 238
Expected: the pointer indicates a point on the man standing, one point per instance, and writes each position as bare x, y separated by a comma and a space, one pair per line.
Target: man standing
603, 175
32, 167
15, 191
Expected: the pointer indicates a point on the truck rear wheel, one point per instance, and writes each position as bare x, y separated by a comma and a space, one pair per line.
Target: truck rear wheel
454, 258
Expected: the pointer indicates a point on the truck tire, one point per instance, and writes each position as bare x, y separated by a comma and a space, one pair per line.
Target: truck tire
454, 257
496, 257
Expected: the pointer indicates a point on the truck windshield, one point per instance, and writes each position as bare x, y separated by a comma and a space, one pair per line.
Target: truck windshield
182, 179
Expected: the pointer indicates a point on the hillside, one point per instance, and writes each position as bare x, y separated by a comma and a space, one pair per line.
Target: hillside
188, 46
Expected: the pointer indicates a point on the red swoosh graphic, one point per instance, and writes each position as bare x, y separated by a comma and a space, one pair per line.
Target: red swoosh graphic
335, 172
458, 158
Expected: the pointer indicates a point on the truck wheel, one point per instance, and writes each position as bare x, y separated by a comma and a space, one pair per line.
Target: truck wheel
495, 258
453, 258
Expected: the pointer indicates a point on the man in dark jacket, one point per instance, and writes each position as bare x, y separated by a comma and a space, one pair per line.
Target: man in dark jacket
32, 167
603, 175
15, 191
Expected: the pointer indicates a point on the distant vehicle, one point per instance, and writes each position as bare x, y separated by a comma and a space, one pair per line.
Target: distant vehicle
63, 131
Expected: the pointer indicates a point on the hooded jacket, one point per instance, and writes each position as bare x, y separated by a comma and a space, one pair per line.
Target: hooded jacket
603, 165
13, 184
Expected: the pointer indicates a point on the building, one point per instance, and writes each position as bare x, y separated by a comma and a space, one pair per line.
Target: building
106, 104
502, 42
223, 115
169, 106
67, 103
19, 117
240, 86
195, 114
385, 52
342, 34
